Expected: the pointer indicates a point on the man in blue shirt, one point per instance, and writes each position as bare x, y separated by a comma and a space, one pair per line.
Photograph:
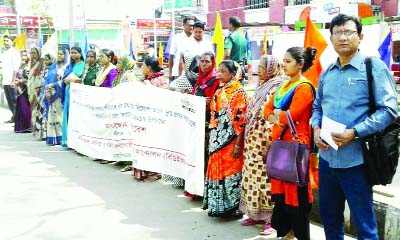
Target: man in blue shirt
342, 96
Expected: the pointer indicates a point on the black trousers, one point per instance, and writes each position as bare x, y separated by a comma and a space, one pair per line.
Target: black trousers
9, 92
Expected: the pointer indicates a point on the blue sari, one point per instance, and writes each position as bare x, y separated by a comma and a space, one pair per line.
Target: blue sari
77, 69
54, 109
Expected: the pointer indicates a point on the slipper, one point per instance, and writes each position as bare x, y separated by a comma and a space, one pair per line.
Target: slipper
251, 222
268, 230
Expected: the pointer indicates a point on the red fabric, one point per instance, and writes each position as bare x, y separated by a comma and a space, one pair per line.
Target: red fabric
203, 78
154, 75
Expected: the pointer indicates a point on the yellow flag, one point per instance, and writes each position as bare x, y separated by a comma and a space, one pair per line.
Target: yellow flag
161, 55
20, 42
218, 40
264, 50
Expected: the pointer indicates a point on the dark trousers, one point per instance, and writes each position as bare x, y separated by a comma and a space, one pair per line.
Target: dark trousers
9, 92
335, 187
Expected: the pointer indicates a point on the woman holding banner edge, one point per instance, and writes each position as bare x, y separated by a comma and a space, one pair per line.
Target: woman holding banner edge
224, 170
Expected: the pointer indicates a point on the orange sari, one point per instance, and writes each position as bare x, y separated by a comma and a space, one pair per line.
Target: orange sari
224, 172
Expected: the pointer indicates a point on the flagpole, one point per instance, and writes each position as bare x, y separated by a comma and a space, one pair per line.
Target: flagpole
155, 29
71, 23
40, 30
173, 17
17, 18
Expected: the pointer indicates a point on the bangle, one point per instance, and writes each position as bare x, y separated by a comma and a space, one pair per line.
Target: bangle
236, 146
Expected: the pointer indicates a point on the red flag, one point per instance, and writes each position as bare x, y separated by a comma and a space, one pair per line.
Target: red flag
313, 38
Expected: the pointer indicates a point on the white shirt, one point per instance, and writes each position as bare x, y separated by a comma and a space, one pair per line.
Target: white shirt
180, 44
200, 47
10, 62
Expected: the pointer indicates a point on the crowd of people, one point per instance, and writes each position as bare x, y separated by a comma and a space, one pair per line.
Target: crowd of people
239, 129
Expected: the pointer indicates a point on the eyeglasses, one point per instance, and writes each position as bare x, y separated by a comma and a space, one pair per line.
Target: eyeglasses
348, 33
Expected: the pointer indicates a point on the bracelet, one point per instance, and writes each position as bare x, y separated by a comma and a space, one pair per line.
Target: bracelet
236, 146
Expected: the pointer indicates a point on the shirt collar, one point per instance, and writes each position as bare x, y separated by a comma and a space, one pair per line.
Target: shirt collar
355, 62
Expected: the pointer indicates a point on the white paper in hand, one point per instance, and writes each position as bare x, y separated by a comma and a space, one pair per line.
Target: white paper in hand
328, 127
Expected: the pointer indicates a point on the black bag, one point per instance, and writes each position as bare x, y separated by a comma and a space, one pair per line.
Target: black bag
381, 149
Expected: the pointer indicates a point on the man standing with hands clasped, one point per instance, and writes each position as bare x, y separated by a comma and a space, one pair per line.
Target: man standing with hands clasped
343, 97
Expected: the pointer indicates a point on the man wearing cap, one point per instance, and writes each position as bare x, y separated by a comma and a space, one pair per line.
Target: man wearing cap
180, 44
10, 61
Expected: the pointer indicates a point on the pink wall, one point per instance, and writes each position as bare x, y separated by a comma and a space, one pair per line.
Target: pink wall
277, 11
388, 7
217, 5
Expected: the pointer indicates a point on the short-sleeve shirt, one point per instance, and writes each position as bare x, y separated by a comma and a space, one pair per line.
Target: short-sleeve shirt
237, 43
181, 43
10, 62
200, 47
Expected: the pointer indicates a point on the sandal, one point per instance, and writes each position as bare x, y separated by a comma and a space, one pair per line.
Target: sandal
268, 230
251, 222
126, 169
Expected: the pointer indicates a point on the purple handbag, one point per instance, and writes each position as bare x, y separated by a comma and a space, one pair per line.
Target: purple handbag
288, 161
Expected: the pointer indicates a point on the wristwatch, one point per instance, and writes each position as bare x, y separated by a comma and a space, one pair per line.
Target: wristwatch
355, 133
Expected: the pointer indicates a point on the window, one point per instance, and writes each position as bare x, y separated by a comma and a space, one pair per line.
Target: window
301, 2
257, 4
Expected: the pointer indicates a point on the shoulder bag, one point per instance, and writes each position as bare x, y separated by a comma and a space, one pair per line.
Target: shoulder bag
288, 160
381, 149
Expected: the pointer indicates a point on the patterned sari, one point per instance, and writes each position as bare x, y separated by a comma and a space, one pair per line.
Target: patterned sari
255, 199
54, 93
224, 172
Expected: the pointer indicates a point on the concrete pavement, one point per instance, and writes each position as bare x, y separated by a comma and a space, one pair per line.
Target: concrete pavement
51, 193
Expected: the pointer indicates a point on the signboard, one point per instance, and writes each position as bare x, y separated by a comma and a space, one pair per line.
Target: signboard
156, 129
25, 21
324, 11
179, 4
149, 24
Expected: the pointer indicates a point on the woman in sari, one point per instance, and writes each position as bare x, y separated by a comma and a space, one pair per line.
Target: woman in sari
72, 74
91, 68
292, 203
224, 170
34, 83
153, 75
53, 96
125, 66
41, 120
255, 199
205, 86
108, 72
22, 109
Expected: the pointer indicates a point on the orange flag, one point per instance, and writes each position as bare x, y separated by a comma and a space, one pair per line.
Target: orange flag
264, 45
313, 38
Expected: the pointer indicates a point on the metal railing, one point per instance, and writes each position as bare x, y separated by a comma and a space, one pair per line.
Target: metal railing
257, 4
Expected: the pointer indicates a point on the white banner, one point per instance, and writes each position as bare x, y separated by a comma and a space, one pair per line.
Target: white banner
158, 130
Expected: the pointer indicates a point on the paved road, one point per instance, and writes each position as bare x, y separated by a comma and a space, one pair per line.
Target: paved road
48, 193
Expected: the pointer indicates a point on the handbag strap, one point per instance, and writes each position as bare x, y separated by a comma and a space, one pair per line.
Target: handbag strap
291, 124
370, 77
